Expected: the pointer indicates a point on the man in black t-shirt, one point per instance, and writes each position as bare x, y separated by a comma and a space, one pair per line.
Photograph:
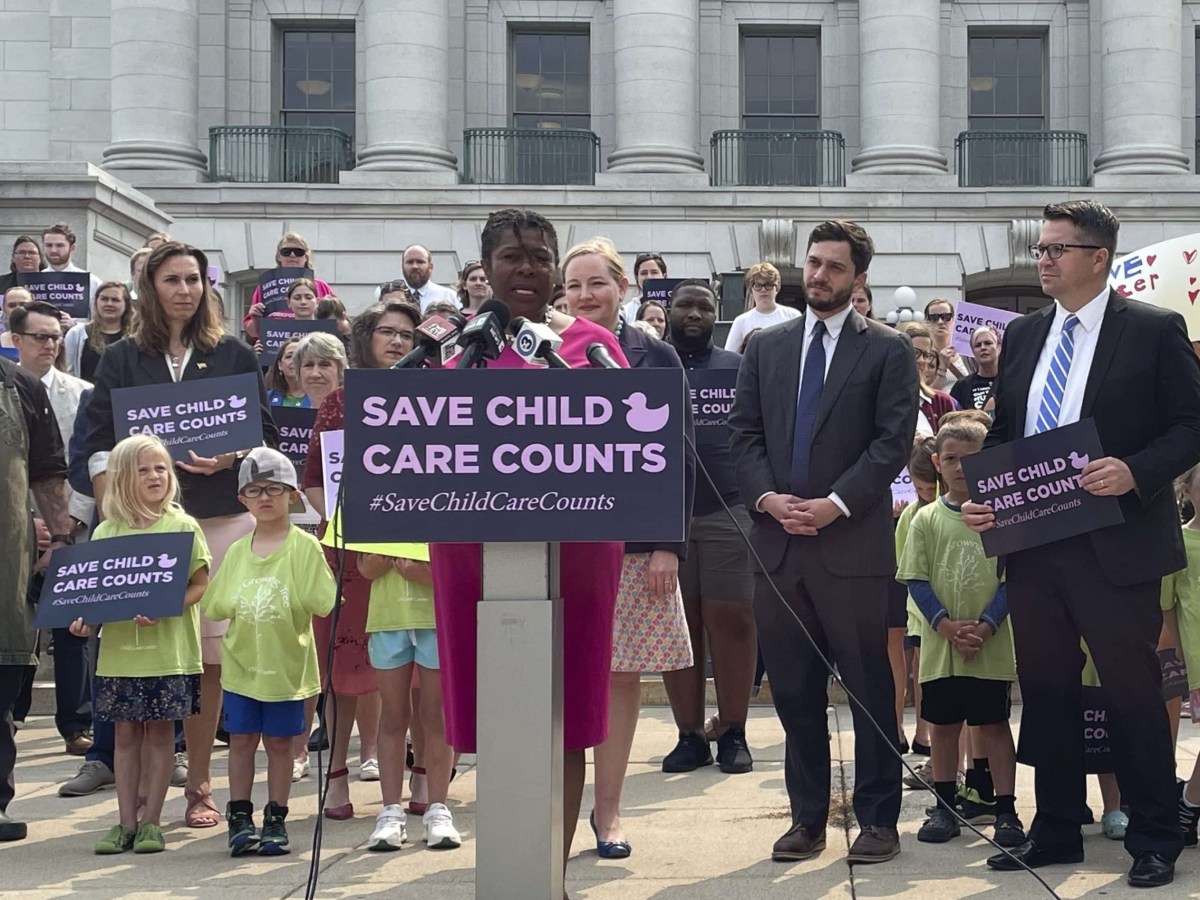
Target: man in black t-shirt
973, 391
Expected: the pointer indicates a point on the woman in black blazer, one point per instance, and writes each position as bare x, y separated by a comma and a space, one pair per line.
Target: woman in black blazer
650, 632
178, 336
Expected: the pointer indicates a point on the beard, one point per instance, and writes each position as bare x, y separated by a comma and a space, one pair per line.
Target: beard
689, 342
834, 301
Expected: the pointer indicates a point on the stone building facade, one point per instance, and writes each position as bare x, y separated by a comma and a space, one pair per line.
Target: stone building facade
720, 130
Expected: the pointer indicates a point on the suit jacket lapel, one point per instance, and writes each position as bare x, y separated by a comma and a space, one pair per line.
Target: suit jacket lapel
633, 348
1111, 327
850, 346
199, 366
1020, 376
155, 366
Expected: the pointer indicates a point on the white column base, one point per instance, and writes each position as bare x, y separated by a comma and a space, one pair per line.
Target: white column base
404, 157
153, 155
655, 158
1143, 159
900, 159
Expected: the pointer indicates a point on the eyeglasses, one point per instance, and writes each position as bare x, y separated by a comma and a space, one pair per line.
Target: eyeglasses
389, 286
295, 252
1055, 251
41, 338
939, 317
26, 253
391, 333
761, 286
274, 489
924, 355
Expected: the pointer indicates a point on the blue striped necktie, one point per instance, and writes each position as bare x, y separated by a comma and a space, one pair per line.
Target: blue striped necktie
1056, 378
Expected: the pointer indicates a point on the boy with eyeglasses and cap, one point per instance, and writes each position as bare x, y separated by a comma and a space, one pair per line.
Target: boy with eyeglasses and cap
273, 581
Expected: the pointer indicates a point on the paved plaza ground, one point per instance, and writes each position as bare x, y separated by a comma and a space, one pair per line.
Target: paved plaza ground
699, 836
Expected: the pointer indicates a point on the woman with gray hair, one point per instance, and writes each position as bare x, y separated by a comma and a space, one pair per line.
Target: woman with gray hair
320, 365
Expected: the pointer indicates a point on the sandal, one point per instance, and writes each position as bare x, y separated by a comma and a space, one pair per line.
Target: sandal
416, 808
346, 810
201, 811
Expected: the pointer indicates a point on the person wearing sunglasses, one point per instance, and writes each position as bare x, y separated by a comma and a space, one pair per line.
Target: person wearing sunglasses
939, 317
762, 287
291, 252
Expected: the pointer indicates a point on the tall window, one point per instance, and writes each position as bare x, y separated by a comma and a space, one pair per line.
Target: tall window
1007, 83
318, 81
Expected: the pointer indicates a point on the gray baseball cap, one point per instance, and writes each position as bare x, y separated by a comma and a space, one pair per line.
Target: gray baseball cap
265, 464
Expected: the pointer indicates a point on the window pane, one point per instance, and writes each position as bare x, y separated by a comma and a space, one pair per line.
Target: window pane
780, 53
1029, 56
343, 51
979, 54
1006, 56
982, 95
1030, 91
780, 78
343, 93
1006, 95
754, 53
551, 79
525, 53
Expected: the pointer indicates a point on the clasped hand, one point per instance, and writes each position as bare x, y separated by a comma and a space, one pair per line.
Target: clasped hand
965, 635
800, 516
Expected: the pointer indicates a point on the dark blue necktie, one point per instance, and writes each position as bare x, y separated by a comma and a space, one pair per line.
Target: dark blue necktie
812, 382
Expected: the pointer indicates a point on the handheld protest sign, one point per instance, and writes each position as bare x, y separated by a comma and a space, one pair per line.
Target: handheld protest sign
903, 489
969, 316
295, 424
66, 290
274, 333
115, 579
273, 286
1166, 274
659, 290
712, 392
1033, 484
208, 416
333, 456
514, 455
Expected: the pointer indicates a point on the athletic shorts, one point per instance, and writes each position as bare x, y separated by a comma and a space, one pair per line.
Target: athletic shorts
960, 698
718, 562
393, 649
278, 718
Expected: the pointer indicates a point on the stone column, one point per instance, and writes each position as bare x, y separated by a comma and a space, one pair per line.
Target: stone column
900, 84
656, 61
407, 71
155, 86
1142, 93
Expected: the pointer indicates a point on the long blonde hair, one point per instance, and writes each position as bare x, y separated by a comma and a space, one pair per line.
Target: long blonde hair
122, 499
602, 247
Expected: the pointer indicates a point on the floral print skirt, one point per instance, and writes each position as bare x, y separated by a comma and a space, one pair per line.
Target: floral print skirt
154, 699
650, 631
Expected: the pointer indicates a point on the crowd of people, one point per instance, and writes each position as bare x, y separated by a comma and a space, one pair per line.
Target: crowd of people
830, 405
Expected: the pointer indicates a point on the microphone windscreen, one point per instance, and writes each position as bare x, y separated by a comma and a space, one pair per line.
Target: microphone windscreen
499, 309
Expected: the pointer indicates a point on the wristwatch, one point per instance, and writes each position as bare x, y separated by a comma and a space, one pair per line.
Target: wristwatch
67, 539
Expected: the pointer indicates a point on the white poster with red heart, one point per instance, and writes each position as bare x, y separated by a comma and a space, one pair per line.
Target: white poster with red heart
1166, 274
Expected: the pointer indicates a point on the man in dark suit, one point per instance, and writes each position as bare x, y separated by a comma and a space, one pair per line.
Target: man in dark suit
823, 421
1129, 367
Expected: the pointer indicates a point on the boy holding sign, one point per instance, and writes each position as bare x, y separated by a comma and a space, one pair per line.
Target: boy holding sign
967, 661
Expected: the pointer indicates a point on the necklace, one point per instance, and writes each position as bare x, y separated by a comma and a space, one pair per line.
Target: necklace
548, 317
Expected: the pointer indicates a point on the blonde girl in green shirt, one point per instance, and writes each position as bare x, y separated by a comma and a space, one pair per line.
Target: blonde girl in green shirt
400, 632
148, 673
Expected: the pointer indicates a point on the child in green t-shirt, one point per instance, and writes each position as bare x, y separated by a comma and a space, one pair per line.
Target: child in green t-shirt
271, 584
967, 661
1181, 613
148, 673
401, 636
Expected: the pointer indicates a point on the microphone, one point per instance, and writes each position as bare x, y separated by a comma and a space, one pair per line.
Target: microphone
435, 340
600, 358
483, 338
534, 341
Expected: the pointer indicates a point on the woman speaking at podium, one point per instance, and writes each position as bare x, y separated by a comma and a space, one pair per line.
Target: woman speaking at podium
520, 256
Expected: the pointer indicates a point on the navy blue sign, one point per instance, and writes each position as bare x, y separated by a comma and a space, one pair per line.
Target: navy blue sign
274, 333
66, 290
514, 455
209, 416
295, 425
273, 286
10, 353
115, 579
712, 392
1034, 487
659, 290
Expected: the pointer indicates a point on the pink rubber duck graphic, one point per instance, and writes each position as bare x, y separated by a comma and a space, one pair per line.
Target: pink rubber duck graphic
642, 419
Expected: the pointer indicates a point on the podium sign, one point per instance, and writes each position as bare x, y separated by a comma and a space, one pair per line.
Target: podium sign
514, 455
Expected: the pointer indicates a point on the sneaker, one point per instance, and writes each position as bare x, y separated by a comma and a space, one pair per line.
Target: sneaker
274, 832
243, 836
368, 769
1009, 830
299, 769
440, 833
1188, 818
733, 754
79, 743
179, 774
149, 839
972, 808
390, 832
940, 827
118, 840
689, 754
93, 775
920, 777
1114, 825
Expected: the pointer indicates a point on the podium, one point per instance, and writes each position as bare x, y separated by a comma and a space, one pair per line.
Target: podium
525, 460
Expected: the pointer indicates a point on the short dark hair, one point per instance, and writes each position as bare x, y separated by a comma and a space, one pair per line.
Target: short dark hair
694, 283
26, 239
363, 328
61, 228
842, 231
1095, 221
647, 257
16, 321
516, 221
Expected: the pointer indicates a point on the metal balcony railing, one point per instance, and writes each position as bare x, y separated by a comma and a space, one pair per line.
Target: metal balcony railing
783, 158
277, 154
1016, 158
530, 156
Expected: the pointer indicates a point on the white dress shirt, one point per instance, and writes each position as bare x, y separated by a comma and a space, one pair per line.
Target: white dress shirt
430, 293
630, 307
833, 330
1086, 335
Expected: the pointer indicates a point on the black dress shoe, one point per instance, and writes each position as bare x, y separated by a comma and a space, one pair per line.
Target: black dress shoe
1151, 869
1034, 857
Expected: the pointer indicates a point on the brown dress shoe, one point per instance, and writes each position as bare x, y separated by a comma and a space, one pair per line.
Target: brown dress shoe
874, 844
800, 842
78, 744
